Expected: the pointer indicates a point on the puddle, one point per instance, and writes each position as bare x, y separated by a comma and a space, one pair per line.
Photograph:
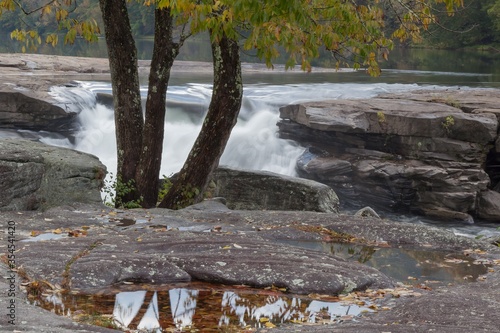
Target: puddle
44, 237
205, 308
406, 265
124, 222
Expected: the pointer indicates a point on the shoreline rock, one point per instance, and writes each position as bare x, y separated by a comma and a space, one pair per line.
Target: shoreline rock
261, 190
413, 152
38, 176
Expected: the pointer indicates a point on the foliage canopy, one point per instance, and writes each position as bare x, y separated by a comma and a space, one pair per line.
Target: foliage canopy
355, 32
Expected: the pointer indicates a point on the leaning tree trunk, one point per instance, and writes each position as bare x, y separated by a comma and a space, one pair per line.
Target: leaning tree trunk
189, 186
164, 53
129, 121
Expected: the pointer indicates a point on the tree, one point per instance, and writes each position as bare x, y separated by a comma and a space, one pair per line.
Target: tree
352, 31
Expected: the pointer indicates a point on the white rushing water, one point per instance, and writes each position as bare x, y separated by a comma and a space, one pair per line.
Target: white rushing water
254, 143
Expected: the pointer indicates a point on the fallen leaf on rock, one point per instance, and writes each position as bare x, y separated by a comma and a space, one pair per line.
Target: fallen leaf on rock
454, 260
347, 317
474, 251
77, 233
264, 320
412, 278
57, 231
227, 247
48, 220
35, 233
237, 246
269, 325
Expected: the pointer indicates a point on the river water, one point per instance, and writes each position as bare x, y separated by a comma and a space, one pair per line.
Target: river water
254, 143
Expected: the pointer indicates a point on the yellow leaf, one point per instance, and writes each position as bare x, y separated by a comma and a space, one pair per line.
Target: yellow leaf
227, 247
47, 10
57, 231
264, 320
269, 325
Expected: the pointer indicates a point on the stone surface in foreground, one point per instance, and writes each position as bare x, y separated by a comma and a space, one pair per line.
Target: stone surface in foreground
170, 257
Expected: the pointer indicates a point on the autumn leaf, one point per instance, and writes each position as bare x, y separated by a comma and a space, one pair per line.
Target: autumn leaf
35, 233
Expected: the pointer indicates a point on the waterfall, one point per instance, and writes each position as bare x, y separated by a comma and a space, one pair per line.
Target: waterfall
254, 143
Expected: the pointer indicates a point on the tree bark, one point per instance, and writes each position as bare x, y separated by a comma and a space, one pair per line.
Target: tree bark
129, 120
221, 117
164, 53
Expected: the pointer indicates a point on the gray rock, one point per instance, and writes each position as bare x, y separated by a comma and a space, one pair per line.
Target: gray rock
367, 212
179, 256
421, 152
33, 111
394, 117
489, 205
255, 190
34, 175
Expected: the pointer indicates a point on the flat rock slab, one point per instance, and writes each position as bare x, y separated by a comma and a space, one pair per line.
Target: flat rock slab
176, 256
460, 309
402, 117
212, 243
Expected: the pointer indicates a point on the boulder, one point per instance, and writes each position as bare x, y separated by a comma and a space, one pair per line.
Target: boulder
426, 153
262, 190
36, 111
35, 176
489, 205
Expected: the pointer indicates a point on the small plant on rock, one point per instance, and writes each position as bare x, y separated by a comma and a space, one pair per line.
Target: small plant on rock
448, 123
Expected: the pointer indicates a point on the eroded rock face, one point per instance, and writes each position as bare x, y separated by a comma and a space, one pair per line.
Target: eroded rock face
424, 152
261, 190
34, 111
34, 175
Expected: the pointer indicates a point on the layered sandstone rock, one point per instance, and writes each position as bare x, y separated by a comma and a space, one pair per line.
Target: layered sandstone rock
430, 152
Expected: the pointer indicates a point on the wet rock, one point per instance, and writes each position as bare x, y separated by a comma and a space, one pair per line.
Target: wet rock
263, 190
489, 206
28, 110
367, 212
34, 176
422, 153
183, 256
129, 253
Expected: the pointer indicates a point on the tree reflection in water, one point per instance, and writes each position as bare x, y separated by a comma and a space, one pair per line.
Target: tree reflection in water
190, 308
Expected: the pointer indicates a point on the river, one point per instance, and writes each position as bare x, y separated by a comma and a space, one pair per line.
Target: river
254, 143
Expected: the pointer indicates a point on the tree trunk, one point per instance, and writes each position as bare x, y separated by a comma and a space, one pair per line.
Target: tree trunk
164, 53
221, 117
129, 120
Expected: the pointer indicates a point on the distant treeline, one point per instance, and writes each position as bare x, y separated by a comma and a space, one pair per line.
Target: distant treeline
477, 24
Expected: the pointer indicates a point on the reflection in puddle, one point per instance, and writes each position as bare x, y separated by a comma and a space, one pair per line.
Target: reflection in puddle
406, 265
44, 237
199, 306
